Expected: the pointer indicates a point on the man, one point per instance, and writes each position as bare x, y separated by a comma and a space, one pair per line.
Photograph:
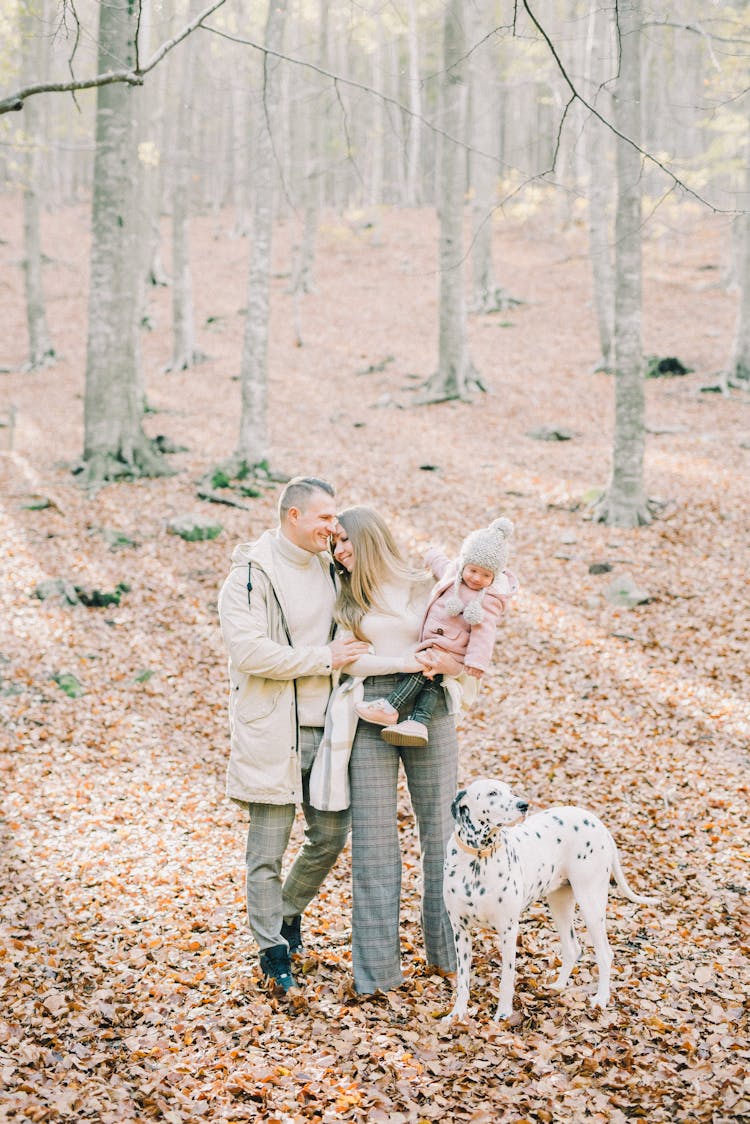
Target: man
275, 609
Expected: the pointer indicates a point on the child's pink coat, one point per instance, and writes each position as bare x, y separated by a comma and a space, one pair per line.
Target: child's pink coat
471, 644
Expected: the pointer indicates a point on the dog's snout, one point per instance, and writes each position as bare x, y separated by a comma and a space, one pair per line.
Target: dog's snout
522, 805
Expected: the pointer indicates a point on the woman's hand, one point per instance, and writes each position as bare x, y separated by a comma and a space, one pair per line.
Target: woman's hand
412, 663
436, 661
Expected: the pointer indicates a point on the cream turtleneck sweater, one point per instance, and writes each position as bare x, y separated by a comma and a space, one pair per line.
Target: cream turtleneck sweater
393, 631
307, 597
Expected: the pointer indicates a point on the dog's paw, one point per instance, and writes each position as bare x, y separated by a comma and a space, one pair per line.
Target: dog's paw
455, 1016
502, 1015
599, 1001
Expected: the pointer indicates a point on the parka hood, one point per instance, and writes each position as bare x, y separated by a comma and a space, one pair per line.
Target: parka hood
258, 552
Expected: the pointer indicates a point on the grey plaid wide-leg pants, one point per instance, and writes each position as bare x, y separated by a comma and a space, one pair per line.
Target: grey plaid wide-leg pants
431, 774
269, 899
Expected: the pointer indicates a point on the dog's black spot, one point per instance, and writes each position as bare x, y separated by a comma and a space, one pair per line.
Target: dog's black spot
557, 820
559, 840
575, 827
456, 801
587, 822
537, 835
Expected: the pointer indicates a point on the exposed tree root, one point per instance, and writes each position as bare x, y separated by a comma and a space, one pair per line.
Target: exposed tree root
40, 360
236, 475
186, 360
129, 462
442, 387
618, 512
493, 299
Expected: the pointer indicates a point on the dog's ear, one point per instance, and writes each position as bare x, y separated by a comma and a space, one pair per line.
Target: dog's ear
456, 801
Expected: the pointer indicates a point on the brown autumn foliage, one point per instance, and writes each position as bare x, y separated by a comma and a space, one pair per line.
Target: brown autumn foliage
129, 983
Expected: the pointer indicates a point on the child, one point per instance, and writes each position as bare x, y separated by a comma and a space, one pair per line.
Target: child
460, 620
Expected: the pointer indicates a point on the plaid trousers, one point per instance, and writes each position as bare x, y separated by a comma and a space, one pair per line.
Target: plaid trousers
431, 775
271, 899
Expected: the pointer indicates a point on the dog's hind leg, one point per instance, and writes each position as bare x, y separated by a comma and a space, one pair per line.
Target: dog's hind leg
508, 938
562, 904
593, 906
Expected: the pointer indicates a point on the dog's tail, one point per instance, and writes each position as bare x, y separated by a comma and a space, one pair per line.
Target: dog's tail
622, 882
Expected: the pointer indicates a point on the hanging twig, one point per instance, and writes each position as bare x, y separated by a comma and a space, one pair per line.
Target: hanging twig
131, 77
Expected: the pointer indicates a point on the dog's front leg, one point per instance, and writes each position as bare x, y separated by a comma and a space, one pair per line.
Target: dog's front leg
508, 936
462, 936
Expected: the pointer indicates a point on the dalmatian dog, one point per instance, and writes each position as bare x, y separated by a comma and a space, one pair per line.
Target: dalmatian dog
494, 870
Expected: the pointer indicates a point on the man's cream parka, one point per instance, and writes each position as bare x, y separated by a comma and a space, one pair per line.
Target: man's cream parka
264, 761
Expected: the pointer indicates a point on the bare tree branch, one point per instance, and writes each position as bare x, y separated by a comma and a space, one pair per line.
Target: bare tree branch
339, 80
132, 77
609, 125
699, 29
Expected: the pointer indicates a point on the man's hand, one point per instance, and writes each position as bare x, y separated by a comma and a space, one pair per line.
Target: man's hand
346, 649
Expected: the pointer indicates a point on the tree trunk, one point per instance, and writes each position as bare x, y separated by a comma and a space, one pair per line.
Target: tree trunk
487, 296
252, 446
624, 503
41, 351
376, 146
303, 264
184, 352
598, 145
739, 367
149, 124
413, 182
114, 442
455, 375
242, 173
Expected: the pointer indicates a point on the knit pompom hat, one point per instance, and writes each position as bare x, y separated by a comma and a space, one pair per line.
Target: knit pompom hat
487, 548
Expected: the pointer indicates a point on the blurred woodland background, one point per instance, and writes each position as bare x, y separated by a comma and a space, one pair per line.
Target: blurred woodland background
582, 111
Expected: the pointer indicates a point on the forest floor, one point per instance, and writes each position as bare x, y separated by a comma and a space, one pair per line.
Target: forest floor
129, 982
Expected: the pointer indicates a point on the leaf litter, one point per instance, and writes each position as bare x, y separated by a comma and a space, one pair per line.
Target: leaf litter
130, 985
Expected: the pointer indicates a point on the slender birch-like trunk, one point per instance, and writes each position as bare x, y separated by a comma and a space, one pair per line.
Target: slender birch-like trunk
252, 446
624, 503
41, 351
455, 375
598, 145
413, 182
184, 351
739, 366
486, 295
376, 147
313, 141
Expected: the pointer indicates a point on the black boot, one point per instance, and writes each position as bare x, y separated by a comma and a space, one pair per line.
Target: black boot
277, 968
291, 931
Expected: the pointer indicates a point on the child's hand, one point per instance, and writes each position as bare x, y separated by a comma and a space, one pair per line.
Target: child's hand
474, 672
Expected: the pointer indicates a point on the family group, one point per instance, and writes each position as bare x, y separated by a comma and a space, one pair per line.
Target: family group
323, 615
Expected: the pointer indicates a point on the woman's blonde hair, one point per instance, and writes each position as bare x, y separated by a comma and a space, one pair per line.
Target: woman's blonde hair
376, 559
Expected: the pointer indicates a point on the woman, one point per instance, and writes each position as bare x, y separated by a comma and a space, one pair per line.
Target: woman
382, 601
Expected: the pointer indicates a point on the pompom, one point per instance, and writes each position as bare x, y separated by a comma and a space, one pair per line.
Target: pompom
454, 606
474, 613
502, 526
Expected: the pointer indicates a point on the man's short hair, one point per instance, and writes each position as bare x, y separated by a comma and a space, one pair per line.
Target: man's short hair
298, 491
